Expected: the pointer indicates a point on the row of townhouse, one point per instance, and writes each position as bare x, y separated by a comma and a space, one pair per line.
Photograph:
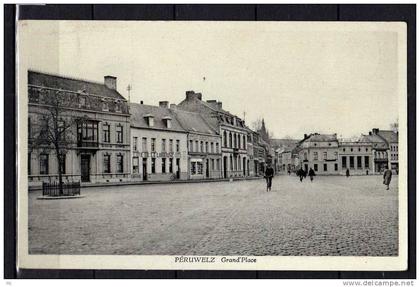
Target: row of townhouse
107, 139
326, 154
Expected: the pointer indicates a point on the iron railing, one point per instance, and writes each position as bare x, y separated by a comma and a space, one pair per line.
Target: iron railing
53, 189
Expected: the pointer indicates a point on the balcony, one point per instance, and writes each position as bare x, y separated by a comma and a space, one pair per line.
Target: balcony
87, 144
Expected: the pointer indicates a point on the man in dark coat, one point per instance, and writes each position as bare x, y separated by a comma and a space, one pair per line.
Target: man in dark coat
387, 178
269, 173
301, 174
311, 174
347, 172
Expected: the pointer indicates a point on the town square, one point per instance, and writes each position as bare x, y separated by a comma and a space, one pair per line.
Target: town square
332, 215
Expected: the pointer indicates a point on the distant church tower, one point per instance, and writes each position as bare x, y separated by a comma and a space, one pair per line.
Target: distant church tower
263, 132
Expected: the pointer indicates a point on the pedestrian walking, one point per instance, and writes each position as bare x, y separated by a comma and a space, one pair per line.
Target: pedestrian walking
387, 178
269, 173
347, 172
301, 174
311, 174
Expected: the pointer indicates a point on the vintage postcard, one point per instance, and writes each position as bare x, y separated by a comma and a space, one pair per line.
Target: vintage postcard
212, 145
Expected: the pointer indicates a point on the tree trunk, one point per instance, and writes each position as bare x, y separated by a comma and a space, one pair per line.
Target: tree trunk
60, 175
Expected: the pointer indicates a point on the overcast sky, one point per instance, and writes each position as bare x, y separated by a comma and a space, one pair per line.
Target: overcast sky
300, 79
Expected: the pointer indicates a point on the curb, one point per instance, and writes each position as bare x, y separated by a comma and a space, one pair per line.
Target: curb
59, 197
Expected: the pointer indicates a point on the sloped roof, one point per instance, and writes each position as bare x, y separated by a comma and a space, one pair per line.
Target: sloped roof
193, 122
71, 84
138, 113
322, 138
376, 140
389, 136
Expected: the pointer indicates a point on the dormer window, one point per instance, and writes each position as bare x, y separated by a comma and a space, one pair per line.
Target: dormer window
82, 102
117, 106
105, 106
149, 120
168, 122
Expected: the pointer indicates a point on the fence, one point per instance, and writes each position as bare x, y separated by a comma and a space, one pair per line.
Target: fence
53, 189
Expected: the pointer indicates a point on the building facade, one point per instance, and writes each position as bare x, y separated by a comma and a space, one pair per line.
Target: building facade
204, 145
235, 161
93, 122
356, 157
391, 138
319, 152
159, 144
380, 151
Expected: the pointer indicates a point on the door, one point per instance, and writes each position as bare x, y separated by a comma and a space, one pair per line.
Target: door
225, 167
144, 168
244, 166
207, 168
178, 173
85, 167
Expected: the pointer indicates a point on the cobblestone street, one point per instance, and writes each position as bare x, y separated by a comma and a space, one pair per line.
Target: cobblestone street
333, 215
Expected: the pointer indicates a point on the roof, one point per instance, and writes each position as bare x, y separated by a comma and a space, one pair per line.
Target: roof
321, 138
193, 122
389, 136
139, 113
71, 84
376, 140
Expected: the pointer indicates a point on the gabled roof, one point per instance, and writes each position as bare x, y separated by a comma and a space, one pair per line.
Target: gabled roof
193, 122
388, 136
139, 113
71, 84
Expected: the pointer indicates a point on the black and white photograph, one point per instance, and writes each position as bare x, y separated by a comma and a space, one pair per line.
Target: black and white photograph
212, 145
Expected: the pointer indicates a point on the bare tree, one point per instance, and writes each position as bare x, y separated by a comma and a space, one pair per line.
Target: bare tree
55, 127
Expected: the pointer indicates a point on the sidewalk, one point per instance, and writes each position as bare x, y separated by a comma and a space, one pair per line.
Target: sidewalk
122, 183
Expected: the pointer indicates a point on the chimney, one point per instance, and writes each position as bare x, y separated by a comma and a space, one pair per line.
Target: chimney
164, 104
141, 102
370, 133
110, 82
219, 105
375, 131
190, 95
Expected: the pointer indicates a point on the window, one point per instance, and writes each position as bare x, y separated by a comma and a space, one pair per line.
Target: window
118, 107
106, 133
212, 147
153, 165
239, 141
119, 132
177, 146
336, 155
107, 163
153, 145
315, 167
343, 162
63, 164
234, 140
120, 163
207, 147
224, 139
82, 102
367, 149
196, 168
87, 131
105, 106
163, 165
325, 155
217, 147
191, 148
196, 146
212, 164
344, 149
243, 142
351, 162
201, 146
315, 155
230, 140
335, 167
305, 156
218, 164
171, 145
136, 165
351, 150
43, 164
163, 145
359, 162
171, 161
144, 144
325, 167
367, 161
135, 143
